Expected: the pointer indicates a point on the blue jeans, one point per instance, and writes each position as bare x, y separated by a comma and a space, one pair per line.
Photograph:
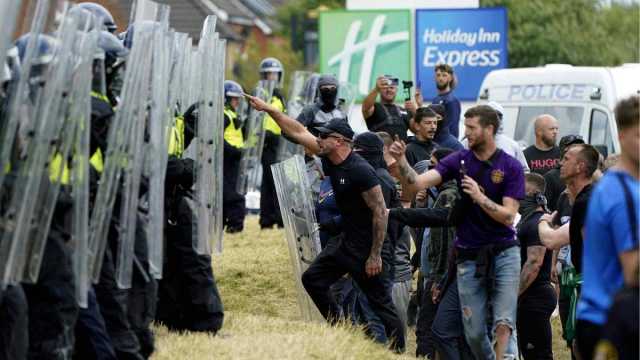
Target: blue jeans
474, 299
447, 329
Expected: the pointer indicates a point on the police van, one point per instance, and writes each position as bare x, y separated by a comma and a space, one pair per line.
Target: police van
581, 98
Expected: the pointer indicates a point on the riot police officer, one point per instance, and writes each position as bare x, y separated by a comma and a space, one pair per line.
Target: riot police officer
233, 208
271, 69
13, 303
51, 299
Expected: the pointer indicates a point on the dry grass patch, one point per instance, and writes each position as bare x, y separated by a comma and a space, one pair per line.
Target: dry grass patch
259, 337
262, 320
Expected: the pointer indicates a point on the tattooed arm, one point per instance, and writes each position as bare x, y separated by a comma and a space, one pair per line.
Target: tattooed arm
410, 181
531, 268
375, 201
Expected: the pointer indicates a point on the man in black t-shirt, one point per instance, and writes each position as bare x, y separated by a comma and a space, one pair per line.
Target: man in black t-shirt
361, 203
554, 185
544, 155
537, 298
385, 115
578, 165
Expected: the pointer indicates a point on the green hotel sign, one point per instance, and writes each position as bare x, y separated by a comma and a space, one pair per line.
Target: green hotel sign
358, 46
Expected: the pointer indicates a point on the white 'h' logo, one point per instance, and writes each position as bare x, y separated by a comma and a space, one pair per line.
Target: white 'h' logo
368, 46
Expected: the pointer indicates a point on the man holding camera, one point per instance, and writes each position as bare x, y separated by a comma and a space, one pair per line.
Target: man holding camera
385, 115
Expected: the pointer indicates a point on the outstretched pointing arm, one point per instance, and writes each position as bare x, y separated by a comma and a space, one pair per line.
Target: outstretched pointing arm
289, 125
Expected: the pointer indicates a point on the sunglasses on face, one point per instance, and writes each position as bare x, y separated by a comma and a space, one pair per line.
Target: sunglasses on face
326, 136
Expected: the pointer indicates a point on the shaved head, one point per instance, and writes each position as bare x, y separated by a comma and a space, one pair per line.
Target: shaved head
546, 129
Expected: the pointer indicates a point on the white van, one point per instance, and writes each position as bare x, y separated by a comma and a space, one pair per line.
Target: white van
581, 98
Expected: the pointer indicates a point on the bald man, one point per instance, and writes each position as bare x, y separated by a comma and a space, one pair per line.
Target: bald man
544, 155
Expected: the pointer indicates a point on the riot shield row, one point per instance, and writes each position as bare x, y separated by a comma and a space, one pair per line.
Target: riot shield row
45, 122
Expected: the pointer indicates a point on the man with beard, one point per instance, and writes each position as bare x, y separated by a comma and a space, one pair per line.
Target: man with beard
492, 184
446, 82
544, 155
361, 202
503, 142
385, 115
537, 297
420, 147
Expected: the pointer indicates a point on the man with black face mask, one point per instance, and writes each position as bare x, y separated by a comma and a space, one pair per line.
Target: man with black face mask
318, 114
537, 297
325, 107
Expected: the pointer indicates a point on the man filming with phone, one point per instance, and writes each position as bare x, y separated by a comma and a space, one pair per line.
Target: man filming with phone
386, 115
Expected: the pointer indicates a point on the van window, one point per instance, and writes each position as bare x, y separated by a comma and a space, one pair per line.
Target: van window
599, 133
569, 119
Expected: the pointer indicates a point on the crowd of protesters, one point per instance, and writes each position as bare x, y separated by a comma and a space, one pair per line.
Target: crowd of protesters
502, 237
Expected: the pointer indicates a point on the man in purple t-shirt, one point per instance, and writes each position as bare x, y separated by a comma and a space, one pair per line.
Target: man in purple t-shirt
488, 255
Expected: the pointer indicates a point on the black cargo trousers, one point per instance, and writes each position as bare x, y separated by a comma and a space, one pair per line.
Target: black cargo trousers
188, 297
330, 265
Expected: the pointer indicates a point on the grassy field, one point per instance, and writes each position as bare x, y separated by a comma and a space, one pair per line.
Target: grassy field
262, 320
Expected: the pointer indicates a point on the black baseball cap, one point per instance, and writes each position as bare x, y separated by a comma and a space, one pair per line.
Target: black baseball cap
369, 142
567, 140
338, 126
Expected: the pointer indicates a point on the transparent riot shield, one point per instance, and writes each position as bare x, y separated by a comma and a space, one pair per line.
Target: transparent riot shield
80, 112
160, 120
9, 11
124, 156
209, 138
250, 174
347, 93
298, 215
151, 25
20, 108
47, 144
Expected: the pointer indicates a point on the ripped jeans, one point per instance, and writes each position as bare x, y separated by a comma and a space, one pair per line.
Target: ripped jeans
474, 300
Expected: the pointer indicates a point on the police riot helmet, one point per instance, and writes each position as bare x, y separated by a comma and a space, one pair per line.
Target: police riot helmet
99, 12
109, 55
272, 64
45, 48
112, 46
232, 89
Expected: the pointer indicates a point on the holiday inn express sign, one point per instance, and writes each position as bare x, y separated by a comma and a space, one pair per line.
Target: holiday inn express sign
358, 46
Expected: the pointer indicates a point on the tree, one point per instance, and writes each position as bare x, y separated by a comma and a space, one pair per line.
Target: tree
577, 32
246, 69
